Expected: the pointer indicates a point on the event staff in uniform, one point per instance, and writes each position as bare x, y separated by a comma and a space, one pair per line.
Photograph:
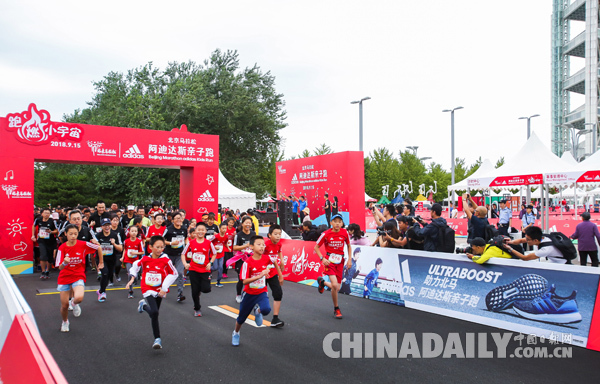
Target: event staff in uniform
111, 244
175, 236
504, 220
327, 208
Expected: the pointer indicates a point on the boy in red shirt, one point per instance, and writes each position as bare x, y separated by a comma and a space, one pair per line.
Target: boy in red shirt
203, 255
132, 250
158, 273
275, 279
334, 240
155, 230
220, 241
230, 236
253, 274
70, 260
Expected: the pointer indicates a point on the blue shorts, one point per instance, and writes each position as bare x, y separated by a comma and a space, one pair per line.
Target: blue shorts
67, 287
248, 303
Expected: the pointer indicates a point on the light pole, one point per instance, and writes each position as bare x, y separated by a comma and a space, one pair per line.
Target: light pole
360, 121
528, 124
594, 137
413, 148
452, 141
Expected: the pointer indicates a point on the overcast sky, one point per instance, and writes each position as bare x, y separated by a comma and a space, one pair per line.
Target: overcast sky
413, 58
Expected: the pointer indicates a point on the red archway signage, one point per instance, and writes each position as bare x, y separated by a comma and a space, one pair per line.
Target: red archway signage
31, 136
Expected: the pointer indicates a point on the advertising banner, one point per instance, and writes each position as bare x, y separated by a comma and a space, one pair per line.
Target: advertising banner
552, 301
340, 175
31, 136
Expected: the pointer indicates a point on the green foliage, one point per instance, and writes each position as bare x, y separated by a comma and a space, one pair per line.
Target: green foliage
500, 162
218, 98
383, 169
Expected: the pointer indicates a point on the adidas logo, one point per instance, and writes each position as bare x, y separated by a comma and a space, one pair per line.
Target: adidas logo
206, 196
295, 178
133, 153
405, 272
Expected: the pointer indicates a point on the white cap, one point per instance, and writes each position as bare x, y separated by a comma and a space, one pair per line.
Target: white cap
131, 208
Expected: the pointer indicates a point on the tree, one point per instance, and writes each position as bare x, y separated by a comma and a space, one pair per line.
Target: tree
500, 162
241, 106
383, 169
322, 149
412, 169
437, 173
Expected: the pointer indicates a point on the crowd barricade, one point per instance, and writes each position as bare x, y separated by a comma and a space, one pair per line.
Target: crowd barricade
453, 285
24, 358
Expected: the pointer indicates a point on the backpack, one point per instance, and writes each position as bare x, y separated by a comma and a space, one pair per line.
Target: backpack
446, 240
498, 241
490, 232
563, 244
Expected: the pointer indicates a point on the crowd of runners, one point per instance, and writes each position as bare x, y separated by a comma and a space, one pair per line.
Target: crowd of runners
156, 249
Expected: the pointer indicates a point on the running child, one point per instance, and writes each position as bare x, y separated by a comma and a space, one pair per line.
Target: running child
110, 242
70, 260
133, 249
371, 279
253, 274
155, 230
275, 279
158, 273
220, 241
203, 255
243, 249
334, 239
231, 232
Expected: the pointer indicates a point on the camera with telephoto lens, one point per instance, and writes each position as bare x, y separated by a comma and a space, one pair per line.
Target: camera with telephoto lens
382, 232
464, 248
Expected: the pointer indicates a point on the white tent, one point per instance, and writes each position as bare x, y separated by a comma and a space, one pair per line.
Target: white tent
485, 168
369, 198
234, 198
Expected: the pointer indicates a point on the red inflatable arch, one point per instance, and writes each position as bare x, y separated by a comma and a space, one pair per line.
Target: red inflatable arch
31, 136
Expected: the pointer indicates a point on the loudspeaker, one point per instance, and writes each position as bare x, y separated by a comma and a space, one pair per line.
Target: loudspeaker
285, 215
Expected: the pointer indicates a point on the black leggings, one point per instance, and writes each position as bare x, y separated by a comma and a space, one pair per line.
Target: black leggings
275, 288
107, 272
151, 307
238, 269
593, 256
200, 283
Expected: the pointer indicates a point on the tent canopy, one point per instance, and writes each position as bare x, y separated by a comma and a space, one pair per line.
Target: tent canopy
383, 200
369, 199
234, 198
485, 168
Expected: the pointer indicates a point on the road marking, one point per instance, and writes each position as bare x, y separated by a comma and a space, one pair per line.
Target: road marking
233, 313
94, 288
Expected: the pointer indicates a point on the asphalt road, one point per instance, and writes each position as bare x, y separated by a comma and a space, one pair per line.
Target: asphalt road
111, 342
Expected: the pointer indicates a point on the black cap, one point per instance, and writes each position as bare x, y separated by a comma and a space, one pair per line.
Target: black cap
478, 242
104, 222
503, 201
529, 206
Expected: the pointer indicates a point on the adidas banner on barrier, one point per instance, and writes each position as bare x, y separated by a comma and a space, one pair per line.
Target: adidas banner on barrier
552, 301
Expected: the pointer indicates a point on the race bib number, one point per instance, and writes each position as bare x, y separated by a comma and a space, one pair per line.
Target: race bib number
107, 249
130, 253
98, 230
229, 243
335, 259
153, 279
219, 248
258, 284
180, 242
44, 233
198, 258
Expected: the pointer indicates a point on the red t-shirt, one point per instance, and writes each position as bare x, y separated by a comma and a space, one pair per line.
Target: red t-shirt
220, 243
251, 268
153, 231
334, 244
272, 250
134, 246
76, 268
153, 211
154, 272
201, 254
230, 236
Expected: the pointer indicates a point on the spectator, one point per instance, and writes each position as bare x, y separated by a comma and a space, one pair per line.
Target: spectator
309, 231
389, 211
357, 236
390, 238
478, 220
431, 231
306, 214
535, 236
587, 233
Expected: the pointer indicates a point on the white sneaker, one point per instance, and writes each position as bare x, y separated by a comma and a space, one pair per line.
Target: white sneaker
65, 326
76, 310
71, 305
238, 299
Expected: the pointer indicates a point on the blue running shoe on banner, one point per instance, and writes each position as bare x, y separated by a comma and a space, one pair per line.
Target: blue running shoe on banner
550, 308
526, 287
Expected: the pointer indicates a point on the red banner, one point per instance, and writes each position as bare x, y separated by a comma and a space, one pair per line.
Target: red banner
301, 261
589, 177
31, 136
506, 181
340, 175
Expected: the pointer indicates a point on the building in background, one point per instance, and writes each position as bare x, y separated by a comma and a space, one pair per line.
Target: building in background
575, 75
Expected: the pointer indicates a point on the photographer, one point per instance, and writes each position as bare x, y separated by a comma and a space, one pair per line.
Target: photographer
389, 211
477, 220
431, 231
390, 236
410, 233
482, 252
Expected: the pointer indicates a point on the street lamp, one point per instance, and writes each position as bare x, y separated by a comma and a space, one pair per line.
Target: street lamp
413, 148
360, 121
452, 140
594, 136
528, 124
